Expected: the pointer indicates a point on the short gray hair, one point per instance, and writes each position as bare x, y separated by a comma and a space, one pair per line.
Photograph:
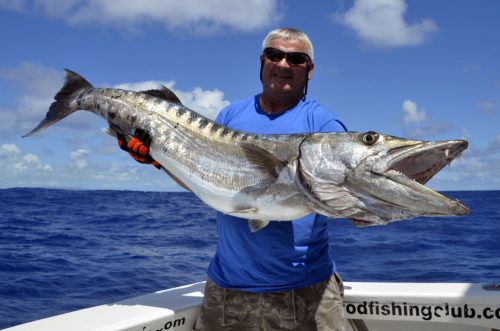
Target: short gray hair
290, 34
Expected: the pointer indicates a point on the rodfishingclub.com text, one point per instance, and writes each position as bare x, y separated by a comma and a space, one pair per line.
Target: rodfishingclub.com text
425, 312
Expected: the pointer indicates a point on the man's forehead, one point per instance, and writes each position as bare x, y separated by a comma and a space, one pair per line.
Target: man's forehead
291, 45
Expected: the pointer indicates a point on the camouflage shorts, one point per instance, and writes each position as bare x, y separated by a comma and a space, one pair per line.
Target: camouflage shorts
316, 307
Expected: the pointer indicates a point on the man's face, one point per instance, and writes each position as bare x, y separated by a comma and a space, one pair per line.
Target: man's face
282, 80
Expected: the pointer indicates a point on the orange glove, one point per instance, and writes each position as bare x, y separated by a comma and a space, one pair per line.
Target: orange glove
138, 147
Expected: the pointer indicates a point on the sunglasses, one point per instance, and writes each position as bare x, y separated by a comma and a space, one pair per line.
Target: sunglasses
292, 58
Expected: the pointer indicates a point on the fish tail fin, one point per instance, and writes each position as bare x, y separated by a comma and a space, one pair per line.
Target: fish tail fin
61, 108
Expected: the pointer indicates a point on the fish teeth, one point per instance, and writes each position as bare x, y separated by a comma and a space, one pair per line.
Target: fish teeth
446, 153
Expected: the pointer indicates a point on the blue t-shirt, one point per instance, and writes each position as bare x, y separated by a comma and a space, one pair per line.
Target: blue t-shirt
283, 255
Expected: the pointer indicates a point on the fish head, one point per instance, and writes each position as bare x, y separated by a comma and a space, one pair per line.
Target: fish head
376, 179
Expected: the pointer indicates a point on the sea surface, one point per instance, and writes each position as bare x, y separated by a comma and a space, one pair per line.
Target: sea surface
63, 250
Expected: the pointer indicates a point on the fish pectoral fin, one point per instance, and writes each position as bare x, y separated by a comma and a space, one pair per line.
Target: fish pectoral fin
335, 196
112, 130
266, 162
109, 130
115, 131
256, 225
331, 197
164, 93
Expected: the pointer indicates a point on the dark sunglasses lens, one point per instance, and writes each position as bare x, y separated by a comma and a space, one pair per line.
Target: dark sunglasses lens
296, 58
273, 54
276, 55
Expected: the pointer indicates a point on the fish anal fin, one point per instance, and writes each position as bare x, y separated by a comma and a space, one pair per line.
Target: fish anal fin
257, 225
111, 131
266, 162
164, 93
248, 210
115, 131
361, 223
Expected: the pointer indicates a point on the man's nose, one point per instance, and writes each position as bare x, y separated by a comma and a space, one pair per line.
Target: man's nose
283, 63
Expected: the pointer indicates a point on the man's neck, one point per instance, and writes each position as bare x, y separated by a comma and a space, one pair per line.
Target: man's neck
275, 107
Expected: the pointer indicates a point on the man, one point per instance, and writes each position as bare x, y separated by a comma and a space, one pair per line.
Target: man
281, 277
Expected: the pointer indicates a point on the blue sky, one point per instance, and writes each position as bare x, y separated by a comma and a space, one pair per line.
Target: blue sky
413, 68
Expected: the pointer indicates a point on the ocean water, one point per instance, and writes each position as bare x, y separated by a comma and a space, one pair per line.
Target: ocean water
62, 250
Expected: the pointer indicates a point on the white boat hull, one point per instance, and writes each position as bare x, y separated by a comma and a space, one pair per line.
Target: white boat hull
369, 306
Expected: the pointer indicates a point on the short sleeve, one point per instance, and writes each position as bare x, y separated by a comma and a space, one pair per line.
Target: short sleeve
333, 125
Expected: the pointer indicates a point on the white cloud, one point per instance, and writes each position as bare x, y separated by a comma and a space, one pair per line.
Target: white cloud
415, 122
34, 77
145, 85
411, 114
38, 85
9, 151
381, 23
79, 158
205, 102
94, 169
200, 17
14, 163
21, 169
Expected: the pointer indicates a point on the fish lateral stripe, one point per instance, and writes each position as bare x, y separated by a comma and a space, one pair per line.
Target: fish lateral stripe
203, 122
193, 117
225, 131
235, 135
214, 128
180, 111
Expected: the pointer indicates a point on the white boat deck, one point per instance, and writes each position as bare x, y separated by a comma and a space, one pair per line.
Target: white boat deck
369, 306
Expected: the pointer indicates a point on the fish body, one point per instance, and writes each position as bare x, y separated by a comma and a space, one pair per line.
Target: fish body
369, 177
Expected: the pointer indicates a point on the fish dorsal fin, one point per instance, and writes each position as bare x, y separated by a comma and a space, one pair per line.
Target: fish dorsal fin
256, 225
164, 93
266, 162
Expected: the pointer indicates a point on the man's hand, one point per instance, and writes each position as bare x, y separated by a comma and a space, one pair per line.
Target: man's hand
138, 147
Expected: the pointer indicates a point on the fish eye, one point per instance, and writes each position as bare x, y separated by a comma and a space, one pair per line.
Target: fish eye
370, 137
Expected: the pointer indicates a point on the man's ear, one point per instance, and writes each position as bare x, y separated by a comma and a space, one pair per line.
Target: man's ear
311, 69
262, 58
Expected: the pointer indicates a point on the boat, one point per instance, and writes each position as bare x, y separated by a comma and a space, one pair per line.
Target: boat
370, 306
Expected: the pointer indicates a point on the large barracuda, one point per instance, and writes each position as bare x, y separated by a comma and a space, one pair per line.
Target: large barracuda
368, 177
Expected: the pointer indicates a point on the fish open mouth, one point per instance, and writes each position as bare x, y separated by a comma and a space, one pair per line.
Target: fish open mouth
422, 161
410, 166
